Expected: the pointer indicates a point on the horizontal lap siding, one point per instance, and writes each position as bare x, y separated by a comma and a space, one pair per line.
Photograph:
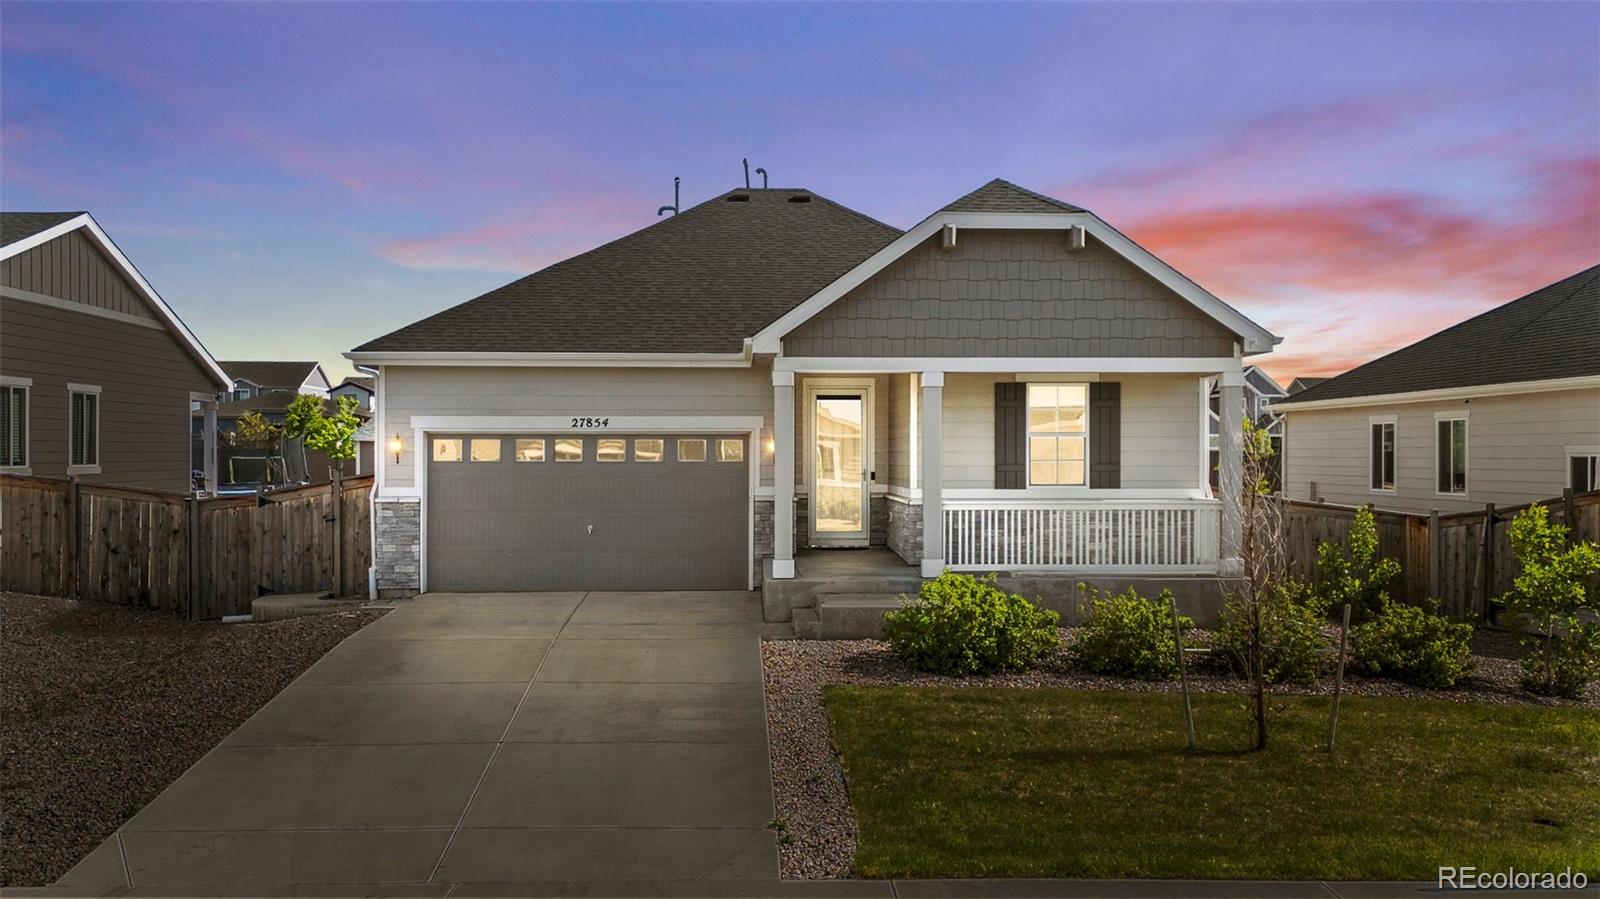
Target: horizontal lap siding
601, 392
1011, 294
145, 375
1516, 450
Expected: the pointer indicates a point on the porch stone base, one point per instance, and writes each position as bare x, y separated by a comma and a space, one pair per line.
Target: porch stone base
1200, 597
396, 555
904, 529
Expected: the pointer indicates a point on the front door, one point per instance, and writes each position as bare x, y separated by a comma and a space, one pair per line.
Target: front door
840, 468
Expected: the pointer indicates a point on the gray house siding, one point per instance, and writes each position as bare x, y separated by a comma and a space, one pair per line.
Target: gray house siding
145, 376
72, 268
1008, 294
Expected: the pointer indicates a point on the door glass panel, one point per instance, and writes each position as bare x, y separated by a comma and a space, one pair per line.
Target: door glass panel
486, 450
839, 466
530, 450
611, 450
569, 449
651, 449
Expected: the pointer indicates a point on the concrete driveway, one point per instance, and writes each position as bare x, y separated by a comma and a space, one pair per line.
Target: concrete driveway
485, 738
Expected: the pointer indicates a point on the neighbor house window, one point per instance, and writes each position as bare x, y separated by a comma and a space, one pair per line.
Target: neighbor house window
447, 449
610, 450
569, 449
652, 449
83, 427
13, 426
1583, 472
530, 450
486, 449
1058, 432
1382, 455
1451, 445
730, 450
691, 450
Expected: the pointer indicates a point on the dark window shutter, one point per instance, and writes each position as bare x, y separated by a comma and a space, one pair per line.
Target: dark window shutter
1010, 435
1105, 434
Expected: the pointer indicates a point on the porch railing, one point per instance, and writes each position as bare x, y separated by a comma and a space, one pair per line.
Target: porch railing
1155, 536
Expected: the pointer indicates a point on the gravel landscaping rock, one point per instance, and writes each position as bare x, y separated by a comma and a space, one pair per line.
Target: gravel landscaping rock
104, 706
818, 828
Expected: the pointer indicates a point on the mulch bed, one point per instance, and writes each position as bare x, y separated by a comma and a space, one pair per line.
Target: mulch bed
816, 823
104, 706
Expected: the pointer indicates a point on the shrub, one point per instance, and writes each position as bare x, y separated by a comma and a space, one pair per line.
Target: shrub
1129, 636
1358, 577
1292, 642
1552, 607
1411, 644
962, 625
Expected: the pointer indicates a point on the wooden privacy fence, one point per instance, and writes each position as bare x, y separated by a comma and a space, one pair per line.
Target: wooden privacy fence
1440, 556
202, 557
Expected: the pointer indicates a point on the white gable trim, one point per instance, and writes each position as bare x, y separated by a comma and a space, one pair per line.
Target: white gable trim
1256, 338
175, 324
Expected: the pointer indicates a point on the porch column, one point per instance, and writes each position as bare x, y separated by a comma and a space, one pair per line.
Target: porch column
1230, 475
932, 473
783, 474
209, 444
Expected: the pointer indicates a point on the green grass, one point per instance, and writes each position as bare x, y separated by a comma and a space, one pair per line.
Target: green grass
995, 782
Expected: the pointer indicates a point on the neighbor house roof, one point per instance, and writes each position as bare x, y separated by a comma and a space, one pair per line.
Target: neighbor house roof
15, 226
1001, 195
700, 281
1551, 333
1300, 384
270, 373
367, 384
267, 403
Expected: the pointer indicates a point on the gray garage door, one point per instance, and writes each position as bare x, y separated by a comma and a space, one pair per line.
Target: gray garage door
565, 512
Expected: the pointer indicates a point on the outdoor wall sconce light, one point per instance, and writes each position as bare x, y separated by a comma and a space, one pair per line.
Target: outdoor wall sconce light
396, 446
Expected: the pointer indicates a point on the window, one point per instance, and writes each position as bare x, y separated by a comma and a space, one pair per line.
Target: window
83, 427
486, 449
608, 449
691, 450
1584, 472
1451, 444
569, 449
447, 449
730, 450
649, 450
530, 450
1382, 455
13, 426
1058, 431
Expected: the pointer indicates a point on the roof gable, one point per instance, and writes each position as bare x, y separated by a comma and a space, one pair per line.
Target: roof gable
1001, 195
271, 373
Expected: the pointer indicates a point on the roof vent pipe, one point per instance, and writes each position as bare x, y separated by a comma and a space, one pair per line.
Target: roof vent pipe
746, 173
674, 207
763, 174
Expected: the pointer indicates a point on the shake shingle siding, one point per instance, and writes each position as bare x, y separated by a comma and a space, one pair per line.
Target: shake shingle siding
1011, 294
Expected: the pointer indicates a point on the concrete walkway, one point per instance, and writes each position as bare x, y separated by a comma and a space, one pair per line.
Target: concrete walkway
483, 738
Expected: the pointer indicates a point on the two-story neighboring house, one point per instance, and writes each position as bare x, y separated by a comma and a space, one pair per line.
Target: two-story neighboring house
1260, 391
362, 389
98, 376
1502, 408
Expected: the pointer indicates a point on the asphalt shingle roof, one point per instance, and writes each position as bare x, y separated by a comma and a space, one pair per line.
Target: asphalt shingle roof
1553, 332
15, 226
698, 282
1001, 195
270, 373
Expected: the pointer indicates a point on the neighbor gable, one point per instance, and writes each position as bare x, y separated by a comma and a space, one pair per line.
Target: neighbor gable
70, 267
1011, 293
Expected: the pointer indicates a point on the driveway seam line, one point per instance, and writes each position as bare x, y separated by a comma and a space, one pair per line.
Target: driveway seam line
122, 853
724, 860
473, 796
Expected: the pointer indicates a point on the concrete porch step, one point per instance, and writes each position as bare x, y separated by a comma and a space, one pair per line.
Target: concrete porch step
853, 616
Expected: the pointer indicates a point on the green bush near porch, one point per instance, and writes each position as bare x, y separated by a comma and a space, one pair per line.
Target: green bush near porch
997, 782
961, 625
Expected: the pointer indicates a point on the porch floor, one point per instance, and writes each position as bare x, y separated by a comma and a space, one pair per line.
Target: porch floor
872, 561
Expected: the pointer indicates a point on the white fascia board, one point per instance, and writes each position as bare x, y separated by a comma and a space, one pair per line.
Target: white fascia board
1446, 393
107, 246
1106, 365
555, 360
620, 424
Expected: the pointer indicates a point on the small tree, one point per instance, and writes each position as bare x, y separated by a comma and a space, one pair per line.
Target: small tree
332, 435
252, 430
1358, 577
1552, 607
1265, 574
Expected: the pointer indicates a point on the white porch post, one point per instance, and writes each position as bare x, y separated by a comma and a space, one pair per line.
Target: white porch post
209, 444
1230, 475
932, 473
783, 474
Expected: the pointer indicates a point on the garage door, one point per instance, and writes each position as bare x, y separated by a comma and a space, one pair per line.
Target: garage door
566, 512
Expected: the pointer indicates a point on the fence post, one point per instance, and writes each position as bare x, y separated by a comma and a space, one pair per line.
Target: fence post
193, 506
337, 487
1488, 556
1434, 552
1569, 515
73, 541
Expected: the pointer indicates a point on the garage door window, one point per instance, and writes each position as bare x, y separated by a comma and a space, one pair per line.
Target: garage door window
486, 450
730, 450
691, 450
650, 450
609, 450
447, 449
530, 450
569, 450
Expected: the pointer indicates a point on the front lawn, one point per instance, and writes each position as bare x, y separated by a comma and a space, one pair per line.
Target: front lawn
1003, 782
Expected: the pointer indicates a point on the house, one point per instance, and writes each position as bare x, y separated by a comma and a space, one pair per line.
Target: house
707, 403
254, 378
1300, 384
1502, 408
96, 370
363, 389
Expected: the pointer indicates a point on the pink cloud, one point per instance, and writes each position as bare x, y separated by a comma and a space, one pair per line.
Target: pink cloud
549, 233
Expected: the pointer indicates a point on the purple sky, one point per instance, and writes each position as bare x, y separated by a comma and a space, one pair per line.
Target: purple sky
296, 179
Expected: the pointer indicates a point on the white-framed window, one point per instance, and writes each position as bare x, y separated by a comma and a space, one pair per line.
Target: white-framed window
1381, 450
649, 449
447, 449
1583, 471
691, 450
730, 449
14, 422
611, 449
83, 429
569, 449
529, 449
485, 449
1450, 454
1058, 435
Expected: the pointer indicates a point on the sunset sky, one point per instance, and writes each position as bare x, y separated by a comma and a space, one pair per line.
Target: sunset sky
296, 179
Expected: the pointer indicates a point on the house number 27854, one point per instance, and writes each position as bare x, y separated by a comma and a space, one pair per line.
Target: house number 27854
591, 422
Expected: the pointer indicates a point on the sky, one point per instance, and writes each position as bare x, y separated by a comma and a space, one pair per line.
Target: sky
296, 179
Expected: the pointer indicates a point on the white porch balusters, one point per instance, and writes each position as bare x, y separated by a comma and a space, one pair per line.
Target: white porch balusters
1230, 477
932, 473
783, 474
